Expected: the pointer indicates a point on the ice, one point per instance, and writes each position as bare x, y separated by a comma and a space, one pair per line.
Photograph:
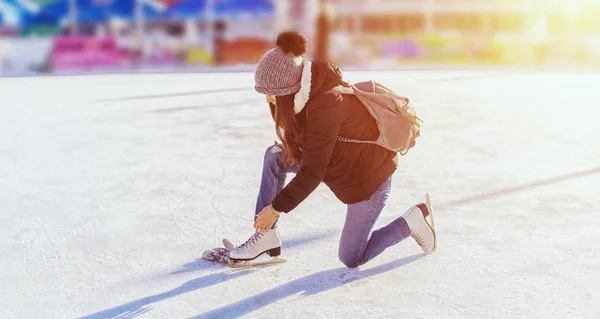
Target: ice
111, 186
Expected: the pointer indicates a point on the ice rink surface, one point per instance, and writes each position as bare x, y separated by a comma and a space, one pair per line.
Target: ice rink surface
111, 186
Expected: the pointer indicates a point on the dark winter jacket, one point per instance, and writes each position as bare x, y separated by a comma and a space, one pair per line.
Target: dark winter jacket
352, 171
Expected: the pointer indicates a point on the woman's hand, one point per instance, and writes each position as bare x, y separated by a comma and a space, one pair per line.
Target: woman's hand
265, 219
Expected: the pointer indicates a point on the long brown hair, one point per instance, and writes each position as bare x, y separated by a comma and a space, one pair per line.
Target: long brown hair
287, 127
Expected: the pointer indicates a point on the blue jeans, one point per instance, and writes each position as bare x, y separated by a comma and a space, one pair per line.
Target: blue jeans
358, 244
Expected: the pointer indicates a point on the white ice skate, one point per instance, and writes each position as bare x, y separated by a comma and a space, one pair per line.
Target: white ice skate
422, 231
261, 242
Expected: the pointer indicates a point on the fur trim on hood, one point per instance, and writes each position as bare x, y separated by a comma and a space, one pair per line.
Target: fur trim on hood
301, 98
317, 78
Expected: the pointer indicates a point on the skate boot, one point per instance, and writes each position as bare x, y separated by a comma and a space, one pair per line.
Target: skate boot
261, 242
422, 231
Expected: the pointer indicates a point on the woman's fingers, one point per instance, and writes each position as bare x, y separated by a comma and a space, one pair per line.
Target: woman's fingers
259, 225
263, 222
262, 227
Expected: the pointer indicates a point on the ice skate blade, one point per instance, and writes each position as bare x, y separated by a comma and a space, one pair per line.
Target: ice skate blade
249, 263
431, 220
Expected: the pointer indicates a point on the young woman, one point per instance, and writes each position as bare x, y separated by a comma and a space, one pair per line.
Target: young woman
308, 120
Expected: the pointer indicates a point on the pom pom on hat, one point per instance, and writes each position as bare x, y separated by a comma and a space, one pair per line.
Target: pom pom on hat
292, 42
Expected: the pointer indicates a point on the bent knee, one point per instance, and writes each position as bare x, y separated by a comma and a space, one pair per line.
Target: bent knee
273, 153
350, 260
273, 150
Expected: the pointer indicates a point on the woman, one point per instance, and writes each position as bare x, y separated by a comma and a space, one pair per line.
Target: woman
308, 120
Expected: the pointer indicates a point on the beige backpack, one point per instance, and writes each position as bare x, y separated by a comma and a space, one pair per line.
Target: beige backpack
396, 119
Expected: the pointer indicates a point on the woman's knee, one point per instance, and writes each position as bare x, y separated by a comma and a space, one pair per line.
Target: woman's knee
273, 154
274, 150
350, 260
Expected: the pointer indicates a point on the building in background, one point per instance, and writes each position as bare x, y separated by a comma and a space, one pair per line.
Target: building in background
501, 31
86, 35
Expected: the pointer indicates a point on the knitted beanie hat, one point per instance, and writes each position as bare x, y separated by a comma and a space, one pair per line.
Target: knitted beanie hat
279, 71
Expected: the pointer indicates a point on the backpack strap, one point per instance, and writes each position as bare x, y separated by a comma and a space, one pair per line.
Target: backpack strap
342, 90
348, 91
352, 90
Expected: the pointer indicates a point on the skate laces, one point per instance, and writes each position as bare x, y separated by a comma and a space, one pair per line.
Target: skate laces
420, 240
417, 235
253, 240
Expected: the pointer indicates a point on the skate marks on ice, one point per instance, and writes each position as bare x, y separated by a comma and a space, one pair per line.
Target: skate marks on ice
176, 94
202, 106
287, 244
519, 188
306, 286
138, 307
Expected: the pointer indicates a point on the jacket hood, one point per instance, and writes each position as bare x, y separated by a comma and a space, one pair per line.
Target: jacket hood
317, 78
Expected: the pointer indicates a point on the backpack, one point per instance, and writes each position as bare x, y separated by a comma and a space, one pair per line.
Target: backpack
396, 119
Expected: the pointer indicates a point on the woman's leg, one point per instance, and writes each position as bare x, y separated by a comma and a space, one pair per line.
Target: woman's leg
275, 169
356, 247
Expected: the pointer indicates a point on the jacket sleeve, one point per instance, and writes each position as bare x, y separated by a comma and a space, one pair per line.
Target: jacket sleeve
323, 121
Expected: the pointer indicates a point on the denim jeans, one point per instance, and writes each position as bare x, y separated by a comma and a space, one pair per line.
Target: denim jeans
358, 243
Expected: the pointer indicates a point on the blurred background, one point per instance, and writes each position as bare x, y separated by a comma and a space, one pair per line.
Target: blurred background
87, 36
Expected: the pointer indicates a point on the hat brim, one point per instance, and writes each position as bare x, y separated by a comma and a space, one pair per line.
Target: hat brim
279, 91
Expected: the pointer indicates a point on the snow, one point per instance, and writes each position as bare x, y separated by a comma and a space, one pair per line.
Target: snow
112, 186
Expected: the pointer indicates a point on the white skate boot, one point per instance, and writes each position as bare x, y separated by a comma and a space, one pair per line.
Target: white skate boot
261, 242
420, 230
